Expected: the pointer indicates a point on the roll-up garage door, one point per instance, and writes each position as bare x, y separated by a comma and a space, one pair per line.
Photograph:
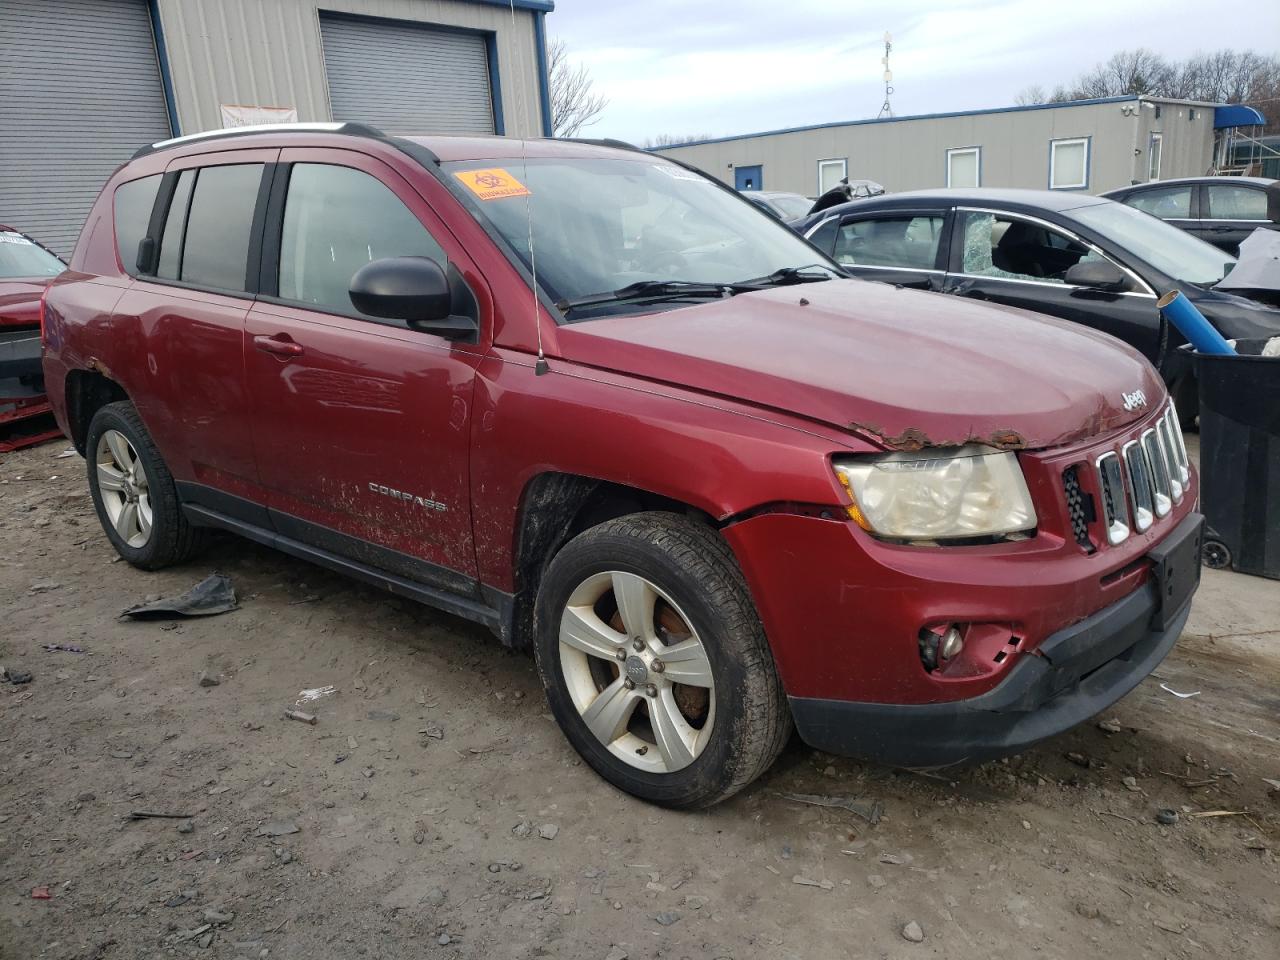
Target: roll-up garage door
406, 78
79, 93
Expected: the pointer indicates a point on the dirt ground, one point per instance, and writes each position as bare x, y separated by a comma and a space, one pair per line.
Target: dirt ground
440, 813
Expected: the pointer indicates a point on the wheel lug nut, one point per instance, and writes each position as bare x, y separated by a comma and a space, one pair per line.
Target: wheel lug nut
651, 690
657, 666
629, 683
621, 653
637, 644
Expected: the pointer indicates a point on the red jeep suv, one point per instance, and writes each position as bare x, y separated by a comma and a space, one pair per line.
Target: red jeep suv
594, 400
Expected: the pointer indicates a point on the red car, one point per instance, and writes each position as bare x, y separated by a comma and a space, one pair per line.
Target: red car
25, 270
716, 487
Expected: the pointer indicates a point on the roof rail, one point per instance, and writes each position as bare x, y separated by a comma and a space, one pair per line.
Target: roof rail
350, 129
603, 142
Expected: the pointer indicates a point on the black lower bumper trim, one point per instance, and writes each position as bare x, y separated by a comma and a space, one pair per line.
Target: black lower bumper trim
19, 353
1081, 671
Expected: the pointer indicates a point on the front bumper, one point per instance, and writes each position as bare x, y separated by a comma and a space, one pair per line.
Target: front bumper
1077, 673
19, 352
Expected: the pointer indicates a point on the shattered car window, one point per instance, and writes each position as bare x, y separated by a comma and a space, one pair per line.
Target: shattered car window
1017, 249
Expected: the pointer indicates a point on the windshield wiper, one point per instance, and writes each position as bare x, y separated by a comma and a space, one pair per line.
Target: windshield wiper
652, 290
789, 275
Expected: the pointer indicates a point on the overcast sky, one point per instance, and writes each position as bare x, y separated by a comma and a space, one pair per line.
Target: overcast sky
684, 67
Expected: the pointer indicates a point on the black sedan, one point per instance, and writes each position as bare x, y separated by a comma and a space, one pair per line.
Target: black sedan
784, 206
1081, 258
1219, 210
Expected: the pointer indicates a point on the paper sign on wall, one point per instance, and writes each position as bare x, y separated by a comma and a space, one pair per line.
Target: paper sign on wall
240, 115
493, 184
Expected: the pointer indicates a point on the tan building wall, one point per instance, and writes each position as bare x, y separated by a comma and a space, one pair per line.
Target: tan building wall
268, 53
910, 153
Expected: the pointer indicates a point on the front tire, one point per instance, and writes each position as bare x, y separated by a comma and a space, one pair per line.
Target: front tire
655, 662
134, 493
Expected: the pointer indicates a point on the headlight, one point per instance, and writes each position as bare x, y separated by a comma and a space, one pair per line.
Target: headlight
973, 491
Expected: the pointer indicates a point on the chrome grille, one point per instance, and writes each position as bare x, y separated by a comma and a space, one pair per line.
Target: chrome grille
1115, 507
1158, 474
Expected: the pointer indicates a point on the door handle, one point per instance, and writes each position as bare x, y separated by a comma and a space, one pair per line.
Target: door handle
280, 345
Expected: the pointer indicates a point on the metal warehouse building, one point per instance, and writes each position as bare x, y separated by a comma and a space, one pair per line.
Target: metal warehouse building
84, 83
1089, 145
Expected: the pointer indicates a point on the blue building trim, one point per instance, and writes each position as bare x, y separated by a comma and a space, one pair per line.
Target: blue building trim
921, 116
495, 83
544, 78
1088, 162
162, 58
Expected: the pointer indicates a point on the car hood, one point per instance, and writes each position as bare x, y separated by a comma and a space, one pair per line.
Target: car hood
20, 302
902, 368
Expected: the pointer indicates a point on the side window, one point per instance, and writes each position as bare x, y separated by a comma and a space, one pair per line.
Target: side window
175, 226
890, 242
132, 212
215, 249
336, 220
996, 246
1167, 203
824, 237
1236, 203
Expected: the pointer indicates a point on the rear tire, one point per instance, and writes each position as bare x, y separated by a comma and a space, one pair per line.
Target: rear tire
706, 713
134, 493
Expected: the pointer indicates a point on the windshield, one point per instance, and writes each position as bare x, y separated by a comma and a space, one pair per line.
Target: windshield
1165, 247
790, 208
19, 257
604, 224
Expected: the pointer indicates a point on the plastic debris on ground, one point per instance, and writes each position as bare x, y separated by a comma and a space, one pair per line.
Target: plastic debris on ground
212, 595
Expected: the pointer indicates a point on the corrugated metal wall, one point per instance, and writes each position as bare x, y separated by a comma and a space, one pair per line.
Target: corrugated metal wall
407, 79
268, 53
79, 93
910, 154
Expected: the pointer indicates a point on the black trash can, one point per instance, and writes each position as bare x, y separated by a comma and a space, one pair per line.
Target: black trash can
1240, 459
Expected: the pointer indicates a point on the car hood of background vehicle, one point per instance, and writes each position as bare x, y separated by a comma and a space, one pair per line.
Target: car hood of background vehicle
903, 368
20, 302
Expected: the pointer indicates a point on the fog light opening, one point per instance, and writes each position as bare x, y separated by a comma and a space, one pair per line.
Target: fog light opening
938, 646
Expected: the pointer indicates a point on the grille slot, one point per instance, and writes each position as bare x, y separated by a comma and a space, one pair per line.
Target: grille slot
1159, 472
1179, 447
1144, 506
1079, 508
1115, 506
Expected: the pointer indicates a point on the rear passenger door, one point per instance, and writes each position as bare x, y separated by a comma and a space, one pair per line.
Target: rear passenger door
361, 425
184, 316
903, 247
1231, 212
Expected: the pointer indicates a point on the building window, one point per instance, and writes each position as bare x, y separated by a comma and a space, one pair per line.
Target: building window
1069, 164
964, 167
1153, 156
830, 173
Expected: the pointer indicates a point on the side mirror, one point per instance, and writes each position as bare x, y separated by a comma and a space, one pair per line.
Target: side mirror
413, 289
1273, 202
1098, 275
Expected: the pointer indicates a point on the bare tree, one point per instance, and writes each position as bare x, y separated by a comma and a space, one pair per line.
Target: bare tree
574, 102
1031, 95
674, 140
1222, 76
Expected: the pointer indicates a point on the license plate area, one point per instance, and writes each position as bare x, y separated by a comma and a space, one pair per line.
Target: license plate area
1175, 567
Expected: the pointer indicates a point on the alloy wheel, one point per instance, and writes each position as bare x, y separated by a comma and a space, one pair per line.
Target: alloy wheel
637, 672
124, 488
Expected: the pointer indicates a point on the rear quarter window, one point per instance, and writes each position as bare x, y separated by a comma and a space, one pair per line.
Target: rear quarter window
132, 212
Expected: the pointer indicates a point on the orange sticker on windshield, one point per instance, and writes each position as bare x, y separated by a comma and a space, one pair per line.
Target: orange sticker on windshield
493, 184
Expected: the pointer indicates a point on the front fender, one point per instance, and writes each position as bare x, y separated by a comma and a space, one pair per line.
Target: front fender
718, 456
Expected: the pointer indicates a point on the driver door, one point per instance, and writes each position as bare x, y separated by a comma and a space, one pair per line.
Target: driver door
361, 425
1020, 261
